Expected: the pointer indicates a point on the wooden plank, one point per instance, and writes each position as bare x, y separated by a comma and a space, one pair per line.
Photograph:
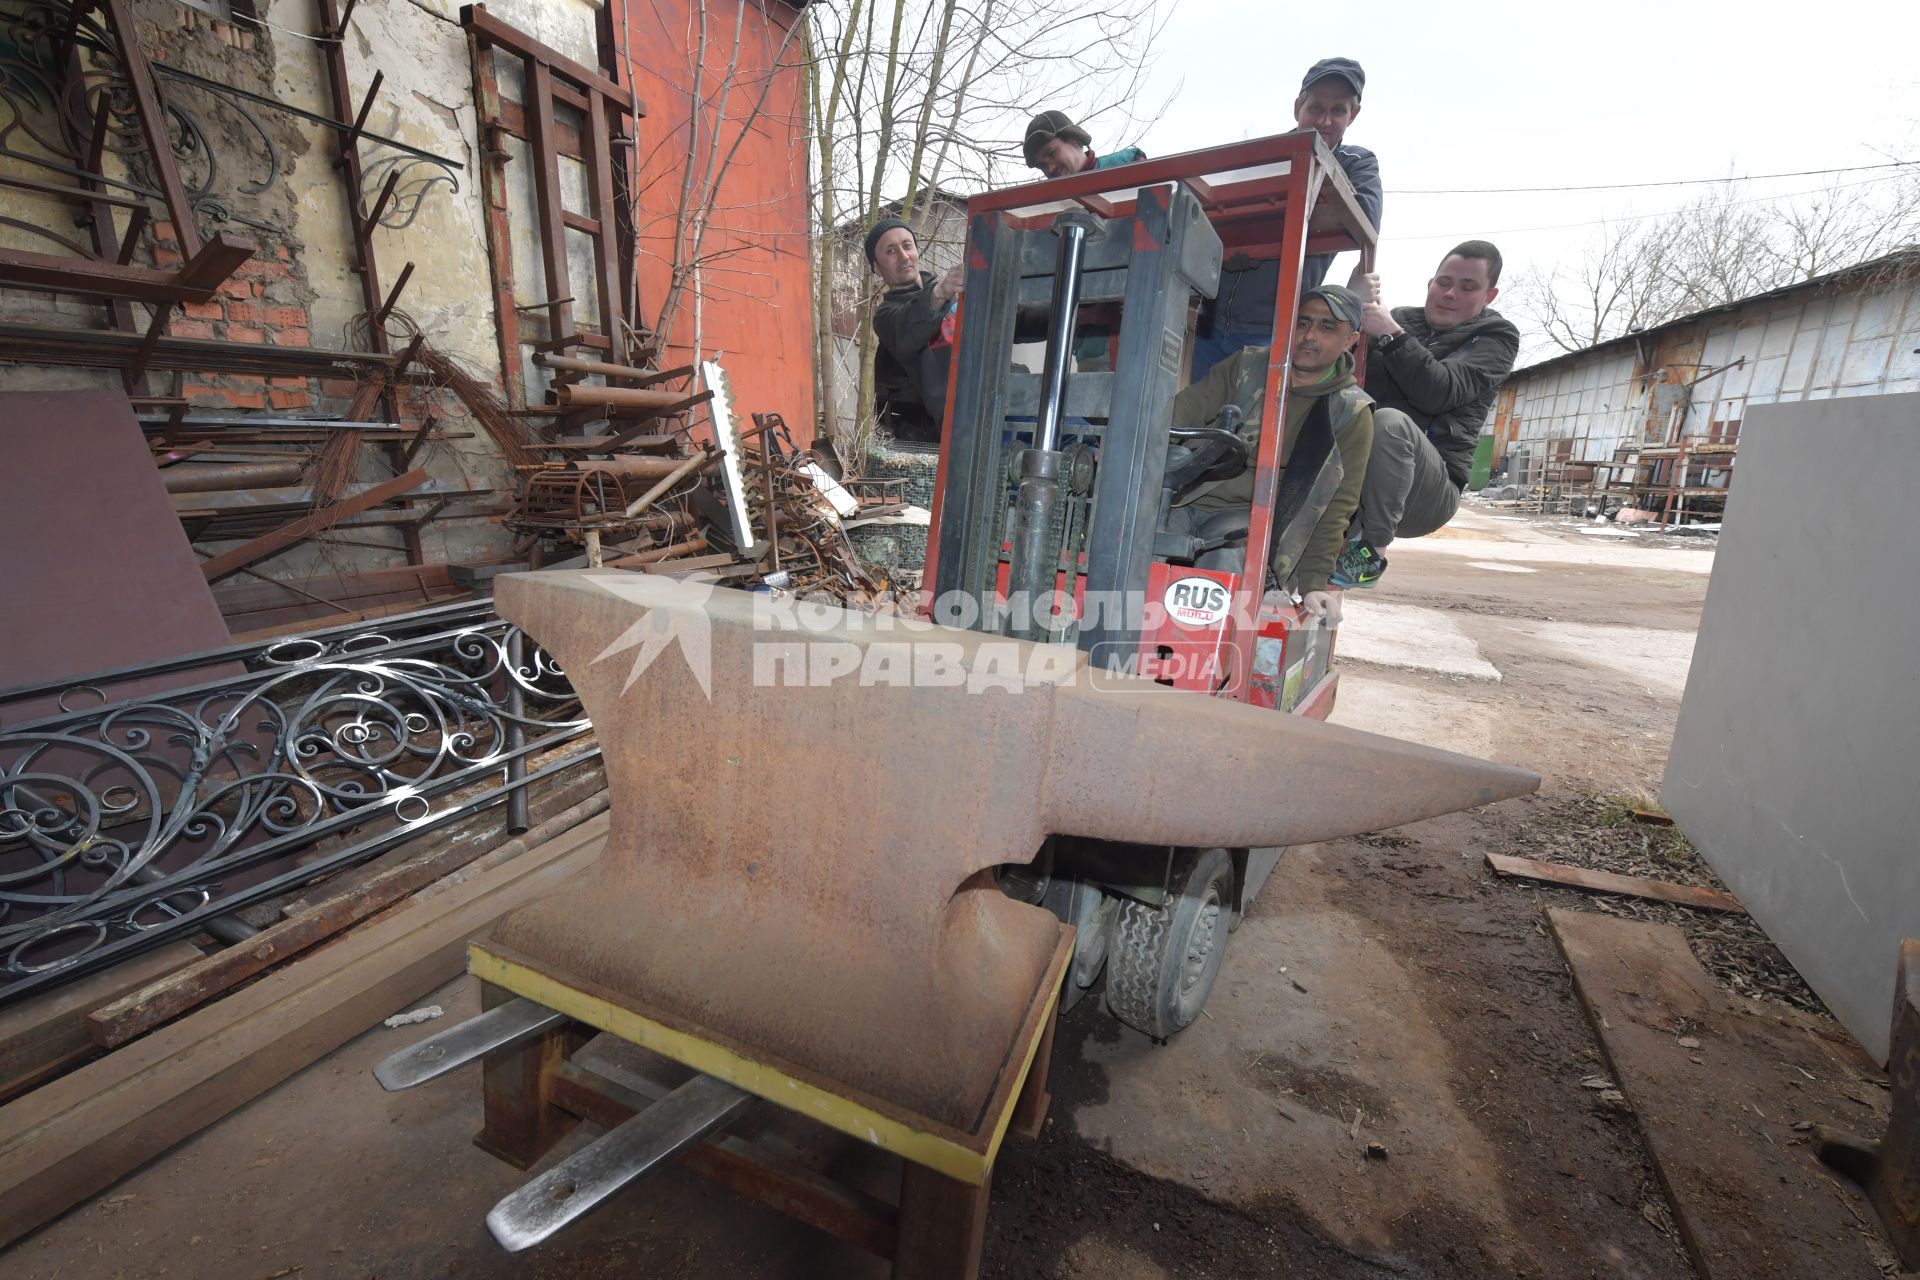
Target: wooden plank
268, 544
1686, 895
1707, 1077
41, 1037
79, 1135
434, 855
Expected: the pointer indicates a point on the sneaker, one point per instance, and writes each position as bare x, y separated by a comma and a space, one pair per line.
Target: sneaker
1359, 565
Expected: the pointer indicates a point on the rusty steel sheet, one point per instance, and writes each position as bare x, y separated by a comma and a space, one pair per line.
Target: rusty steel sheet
97, 573
808, 877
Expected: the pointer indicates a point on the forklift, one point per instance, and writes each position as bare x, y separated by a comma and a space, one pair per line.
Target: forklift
1054, 487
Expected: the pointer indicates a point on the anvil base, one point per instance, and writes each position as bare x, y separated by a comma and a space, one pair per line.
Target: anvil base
965, 1155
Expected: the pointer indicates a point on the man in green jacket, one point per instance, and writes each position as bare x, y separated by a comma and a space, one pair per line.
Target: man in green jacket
1328, 433
1433, 372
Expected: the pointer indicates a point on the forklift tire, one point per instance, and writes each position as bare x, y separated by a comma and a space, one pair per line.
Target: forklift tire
1162, 961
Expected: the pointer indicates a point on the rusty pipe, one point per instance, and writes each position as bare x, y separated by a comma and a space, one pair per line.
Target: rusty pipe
657, 554
639, 466
208, 477
574, 393
574, 364
680, 473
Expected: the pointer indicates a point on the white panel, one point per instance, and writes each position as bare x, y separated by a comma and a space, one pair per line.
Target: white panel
1792, 765
1866, 360
1877, 314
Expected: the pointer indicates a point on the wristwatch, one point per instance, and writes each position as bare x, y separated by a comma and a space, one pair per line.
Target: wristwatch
1386, 340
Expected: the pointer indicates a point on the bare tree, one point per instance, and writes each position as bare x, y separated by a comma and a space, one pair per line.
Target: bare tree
1639, 272
911, 97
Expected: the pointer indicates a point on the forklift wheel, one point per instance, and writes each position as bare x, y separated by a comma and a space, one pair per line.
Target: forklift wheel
1162, 960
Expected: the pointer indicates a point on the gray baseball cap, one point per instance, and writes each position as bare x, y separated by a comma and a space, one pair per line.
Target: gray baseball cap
1345, 68
1343, 302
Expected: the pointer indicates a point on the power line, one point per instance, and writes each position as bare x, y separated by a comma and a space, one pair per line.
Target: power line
1635, 186
1632, 217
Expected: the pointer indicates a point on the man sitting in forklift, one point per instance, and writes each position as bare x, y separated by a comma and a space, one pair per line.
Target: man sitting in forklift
1433, 371
1328, 426
915, 326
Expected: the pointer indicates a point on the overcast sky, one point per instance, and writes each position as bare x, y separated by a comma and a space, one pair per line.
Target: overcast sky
1538, 94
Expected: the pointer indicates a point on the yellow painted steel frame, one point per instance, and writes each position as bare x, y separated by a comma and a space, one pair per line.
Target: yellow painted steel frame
957, 1155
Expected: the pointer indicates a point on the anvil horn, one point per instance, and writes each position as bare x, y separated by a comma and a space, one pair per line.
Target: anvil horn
1132, 763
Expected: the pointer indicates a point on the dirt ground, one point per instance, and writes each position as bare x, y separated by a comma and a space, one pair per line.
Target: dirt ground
1384, 990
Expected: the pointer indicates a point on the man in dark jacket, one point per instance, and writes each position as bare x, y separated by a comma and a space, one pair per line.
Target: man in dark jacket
914, 323
1433, 372
1242, 313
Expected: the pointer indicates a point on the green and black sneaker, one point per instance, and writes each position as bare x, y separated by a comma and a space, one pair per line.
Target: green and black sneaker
1359, 565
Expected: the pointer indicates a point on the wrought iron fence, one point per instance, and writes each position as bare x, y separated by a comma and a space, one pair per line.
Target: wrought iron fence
131, 822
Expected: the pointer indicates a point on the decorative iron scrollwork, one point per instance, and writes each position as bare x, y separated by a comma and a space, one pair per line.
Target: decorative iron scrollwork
127, 822
48, 122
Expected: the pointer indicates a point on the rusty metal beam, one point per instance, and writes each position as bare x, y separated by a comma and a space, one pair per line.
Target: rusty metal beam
217, 259
268, 544
492, 31
547, 202
153, 126
342, 105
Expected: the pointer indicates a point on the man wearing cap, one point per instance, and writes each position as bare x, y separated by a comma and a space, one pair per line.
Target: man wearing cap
1242, 313
1434, 371
1058, 147
1328, 433
914, 323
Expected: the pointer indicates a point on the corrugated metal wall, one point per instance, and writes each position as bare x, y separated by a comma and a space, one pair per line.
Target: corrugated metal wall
1845, 342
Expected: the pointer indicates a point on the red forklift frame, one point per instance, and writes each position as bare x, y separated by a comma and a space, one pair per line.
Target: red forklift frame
1253, 194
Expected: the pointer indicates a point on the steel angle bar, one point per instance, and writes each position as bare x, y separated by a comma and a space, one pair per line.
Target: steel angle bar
168, 71
517, 1020
616, 1159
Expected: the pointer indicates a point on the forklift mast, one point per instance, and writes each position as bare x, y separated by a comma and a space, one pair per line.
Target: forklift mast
1051, 483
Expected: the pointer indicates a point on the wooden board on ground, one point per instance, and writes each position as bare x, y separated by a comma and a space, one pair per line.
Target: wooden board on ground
41, 1037
79, 1135
1718, 1087
1687, 895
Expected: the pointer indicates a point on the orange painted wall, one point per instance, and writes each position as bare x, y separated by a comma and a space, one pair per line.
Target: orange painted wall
756, 311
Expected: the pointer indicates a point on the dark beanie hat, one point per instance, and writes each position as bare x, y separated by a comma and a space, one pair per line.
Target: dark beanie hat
879, 229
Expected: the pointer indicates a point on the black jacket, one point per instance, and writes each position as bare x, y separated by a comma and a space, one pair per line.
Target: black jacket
1444, 379
905, 370
1245, 301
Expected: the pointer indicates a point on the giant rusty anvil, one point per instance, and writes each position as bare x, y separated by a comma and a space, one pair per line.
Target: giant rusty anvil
798, 893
